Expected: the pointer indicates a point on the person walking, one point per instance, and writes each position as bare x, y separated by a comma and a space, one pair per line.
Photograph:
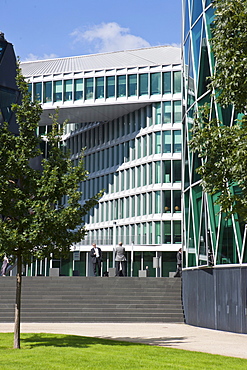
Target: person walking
179, 263
120, 260
4, 266
96, 256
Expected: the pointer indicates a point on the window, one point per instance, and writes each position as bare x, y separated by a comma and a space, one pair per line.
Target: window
99, 94
157, 109
176, 82
144, 174
150, 175
167, 171
121, 86
177, 141
88, 88
155, 83
67, 90
177, 201
177, 171
167, 141
133, 206
132, 85
166, 82
166, 201
144, 145
138, 201
167, 116
167, 232
143, 84
58, 90
157, 142
150, 141
177, 111
78, 89
110, 87
157, 172
157, 233
30, 89
37, 91
177, 232
47, 92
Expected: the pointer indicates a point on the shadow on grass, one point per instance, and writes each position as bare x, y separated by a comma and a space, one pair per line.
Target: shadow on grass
75, 341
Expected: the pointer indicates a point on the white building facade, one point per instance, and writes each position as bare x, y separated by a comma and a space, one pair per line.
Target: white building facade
125, 109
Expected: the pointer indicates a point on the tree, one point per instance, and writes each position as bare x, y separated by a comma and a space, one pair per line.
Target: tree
34, 221
230, 50
223, 148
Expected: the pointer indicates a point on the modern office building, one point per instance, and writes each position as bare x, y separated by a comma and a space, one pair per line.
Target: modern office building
215, 257
8, 90
125, 109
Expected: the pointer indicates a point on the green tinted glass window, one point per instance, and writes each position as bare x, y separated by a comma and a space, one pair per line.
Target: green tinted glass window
166, 201
157, 233
177, 172
167, 232
177, 201
167, 115
177, 141
166, 171
88, 88
157, 142
166, 82
167, 141
30, 89
157, 110
132, 85
157, 201
121, 86
177, 111
110, 86
99, 93
143, 84
155, 83
58, 91
176, 82
177, 232
157, 172
78, 89
37, 91
68, 87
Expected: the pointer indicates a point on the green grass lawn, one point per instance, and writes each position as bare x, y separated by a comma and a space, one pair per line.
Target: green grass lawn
58, 351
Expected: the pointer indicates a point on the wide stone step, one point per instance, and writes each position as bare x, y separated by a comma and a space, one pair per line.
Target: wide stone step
80, 299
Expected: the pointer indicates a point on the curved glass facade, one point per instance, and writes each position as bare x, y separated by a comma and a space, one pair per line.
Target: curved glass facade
208, 237
135, 157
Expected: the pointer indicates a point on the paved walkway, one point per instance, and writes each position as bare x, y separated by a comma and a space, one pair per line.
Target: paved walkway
180, 336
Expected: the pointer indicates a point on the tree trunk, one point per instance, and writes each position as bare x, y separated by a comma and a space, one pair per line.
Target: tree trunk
18, 302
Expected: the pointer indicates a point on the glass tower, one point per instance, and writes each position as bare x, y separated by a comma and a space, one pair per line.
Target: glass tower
208, 237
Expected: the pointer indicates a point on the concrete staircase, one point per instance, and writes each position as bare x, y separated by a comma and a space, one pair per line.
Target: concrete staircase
93, 299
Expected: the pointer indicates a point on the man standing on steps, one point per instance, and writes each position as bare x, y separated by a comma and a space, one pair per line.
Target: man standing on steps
96, 259
120, 259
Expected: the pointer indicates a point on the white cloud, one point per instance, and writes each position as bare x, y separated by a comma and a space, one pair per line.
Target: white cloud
107, 37
32, 57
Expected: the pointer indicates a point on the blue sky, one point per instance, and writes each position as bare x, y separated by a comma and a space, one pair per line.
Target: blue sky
53, 28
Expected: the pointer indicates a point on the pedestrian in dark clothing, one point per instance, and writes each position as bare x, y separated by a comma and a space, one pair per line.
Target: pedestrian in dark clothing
120, 260
179, 263
96, 259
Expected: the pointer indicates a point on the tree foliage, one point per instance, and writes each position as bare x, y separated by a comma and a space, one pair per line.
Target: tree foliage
222, 148
224, 170
230, 50
34, 220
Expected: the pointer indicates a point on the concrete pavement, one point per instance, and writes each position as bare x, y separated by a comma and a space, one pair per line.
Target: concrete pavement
179, 336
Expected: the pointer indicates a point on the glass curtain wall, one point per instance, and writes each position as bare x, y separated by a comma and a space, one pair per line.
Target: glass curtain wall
208, 237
